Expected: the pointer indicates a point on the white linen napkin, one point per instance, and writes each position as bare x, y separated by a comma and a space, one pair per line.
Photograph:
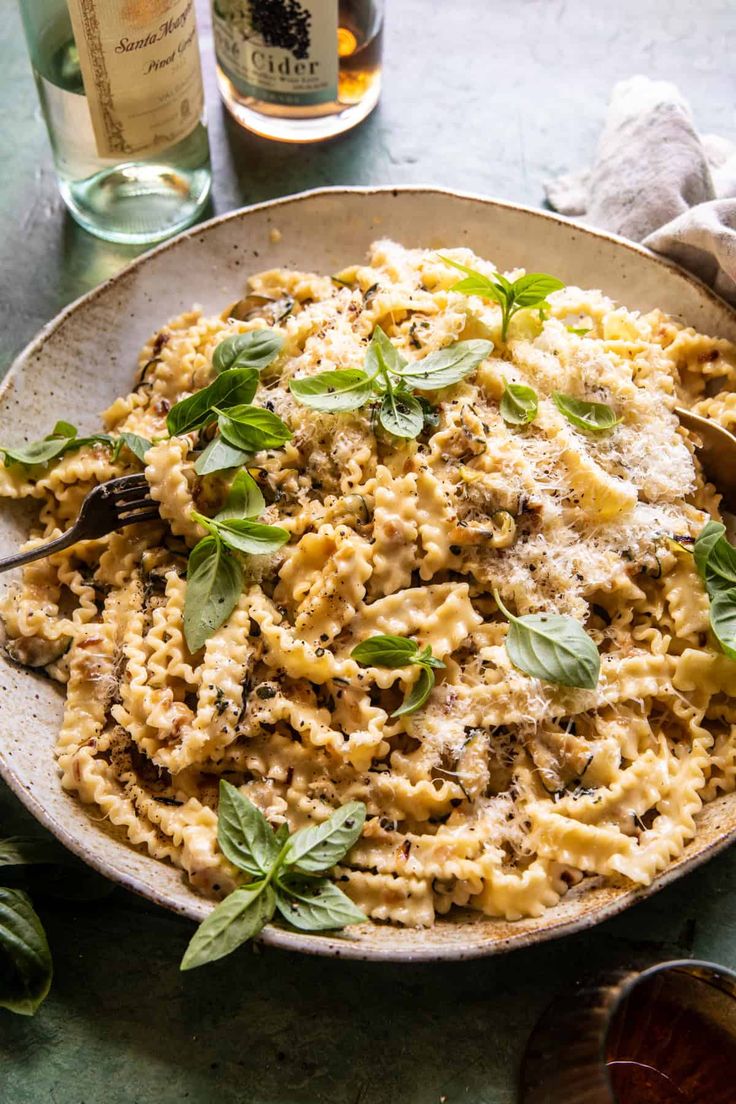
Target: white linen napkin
659, 182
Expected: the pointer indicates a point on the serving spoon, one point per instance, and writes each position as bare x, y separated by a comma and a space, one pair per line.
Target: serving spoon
716, 452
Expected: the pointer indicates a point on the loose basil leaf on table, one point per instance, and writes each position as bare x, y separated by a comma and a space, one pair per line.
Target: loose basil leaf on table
316, 904
345, 389
29, 850
519, 404
243, 833
446, 366
552, 647
256, 349
26, 968
252, 428
594, 417
233, 387
220, 456
214, 585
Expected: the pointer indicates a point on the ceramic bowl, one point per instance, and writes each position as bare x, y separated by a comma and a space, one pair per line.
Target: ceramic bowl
86, 356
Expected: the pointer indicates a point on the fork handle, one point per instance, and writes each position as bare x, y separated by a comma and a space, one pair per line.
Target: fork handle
40, 550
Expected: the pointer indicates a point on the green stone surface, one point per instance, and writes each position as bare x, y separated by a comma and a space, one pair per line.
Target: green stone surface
481, 96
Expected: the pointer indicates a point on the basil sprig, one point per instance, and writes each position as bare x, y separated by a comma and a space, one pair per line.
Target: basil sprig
256, 349
386, 650
594, 417
388, 379
519, 403
214, 574
552, 647
286, 870
715, 560
526, 292
63, 438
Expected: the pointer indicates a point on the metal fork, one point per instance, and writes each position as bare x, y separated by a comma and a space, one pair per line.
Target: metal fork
109, 506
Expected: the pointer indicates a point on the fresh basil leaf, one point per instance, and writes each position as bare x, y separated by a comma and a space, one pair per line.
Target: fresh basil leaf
519, 404
579, 331
64, 429
401, 415
382, 355
30, 850
244, 499
232, 388
346, 389
531, 290
252, 428
447, 366
593, 417
720, 567
220, 456
385, 650
251, 537
313, 850
244, 835
552, 647
418, 694
36, 452
316, 904
476, 283
707, 538
282, 834
256, 349
240, 917
25, 959
214, 585
723, 620
139, 446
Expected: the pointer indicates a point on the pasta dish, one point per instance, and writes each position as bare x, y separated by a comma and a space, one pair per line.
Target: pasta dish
425, 545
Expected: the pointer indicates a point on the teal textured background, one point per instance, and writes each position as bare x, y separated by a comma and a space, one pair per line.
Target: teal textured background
479, 95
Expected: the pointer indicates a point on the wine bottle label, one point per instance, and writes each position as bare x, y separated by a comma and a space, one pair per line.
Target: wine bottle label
278, 51
141, 72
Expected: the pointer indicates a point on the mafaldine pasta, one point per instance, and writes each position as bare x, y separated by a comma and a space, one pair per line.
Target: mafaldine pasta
503, 789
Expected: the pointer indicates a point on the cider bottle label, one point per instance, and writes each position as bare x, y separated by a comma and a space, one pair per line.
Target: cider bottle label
279, 51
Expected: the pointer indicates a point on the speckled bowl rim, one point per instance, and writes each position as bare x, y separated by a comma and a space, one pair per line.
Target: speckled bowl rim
345, 945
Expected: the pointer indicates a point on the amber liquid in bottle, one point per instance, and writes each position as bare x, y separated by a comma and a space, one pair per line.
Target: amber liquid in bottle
357, 60
673, 1042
